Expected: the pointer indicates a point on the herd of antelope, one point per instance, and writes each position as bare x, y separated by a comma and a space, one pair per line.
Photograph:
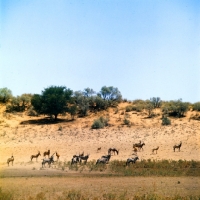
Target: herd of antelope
104, 159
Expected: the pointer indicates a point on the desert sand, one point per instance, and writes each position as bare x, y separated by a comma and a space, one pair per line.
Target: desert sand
23, 136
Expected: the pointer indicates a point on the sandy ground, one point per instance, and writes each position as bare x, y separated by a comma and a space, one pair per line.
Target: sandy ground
25, 140
23, 136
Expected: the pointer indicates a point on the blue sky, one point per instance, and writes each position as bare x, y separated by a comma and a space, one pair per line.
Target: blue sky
145, 48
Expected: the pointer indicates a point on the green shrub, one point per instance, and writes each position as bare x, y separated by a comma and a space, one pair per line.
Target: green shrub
166, 121
175, 108
127, 121
31, 112
196, 106
137, 108
97, 124
138, 105
5, 95
129, 108
100, 123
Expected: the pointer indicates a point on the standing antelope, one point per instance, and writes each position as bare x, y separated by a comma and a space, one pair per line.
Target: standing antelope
131, 160
47, 160
10, 160
155, 149
75, 159
85, 158
35, 156
57, 155
47, 153
104, 159
177, 146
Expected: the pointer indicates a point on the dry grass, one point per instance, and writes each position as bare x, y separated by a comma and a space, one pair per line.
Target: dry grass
100, 188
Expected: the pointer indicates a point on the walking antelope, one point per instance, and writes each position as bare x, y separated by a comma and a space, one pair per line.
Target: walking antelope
155, 149
10, 160
35, 156
136, 144
139, 145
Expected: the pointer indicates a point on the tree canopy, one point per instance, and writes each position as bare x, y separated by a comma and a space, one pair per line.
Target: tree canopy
110, 93
5, 95
52, 101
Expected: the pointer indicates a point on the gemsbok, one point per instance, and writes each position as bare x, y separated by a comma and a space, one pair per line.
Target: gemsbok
47, 153
85, 158
131, 160
35, 156
57, 155
10, 160
47, 160
177, 146
139, 146
110, 150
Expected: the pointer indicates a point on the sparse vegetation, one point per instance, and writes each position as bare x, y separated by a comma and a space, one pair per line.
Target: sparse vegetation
127, 121
75, 194
19, 103
129, 108
6, 195
141, 168
77, 134
100, 123
138, 105
149, 106
166, 121
156, 102
31, 112
175, 108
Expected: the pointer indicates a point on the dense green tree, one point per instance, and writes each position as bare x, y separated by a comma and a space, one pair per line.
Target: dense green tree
196, 106
52, 101
5, 95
